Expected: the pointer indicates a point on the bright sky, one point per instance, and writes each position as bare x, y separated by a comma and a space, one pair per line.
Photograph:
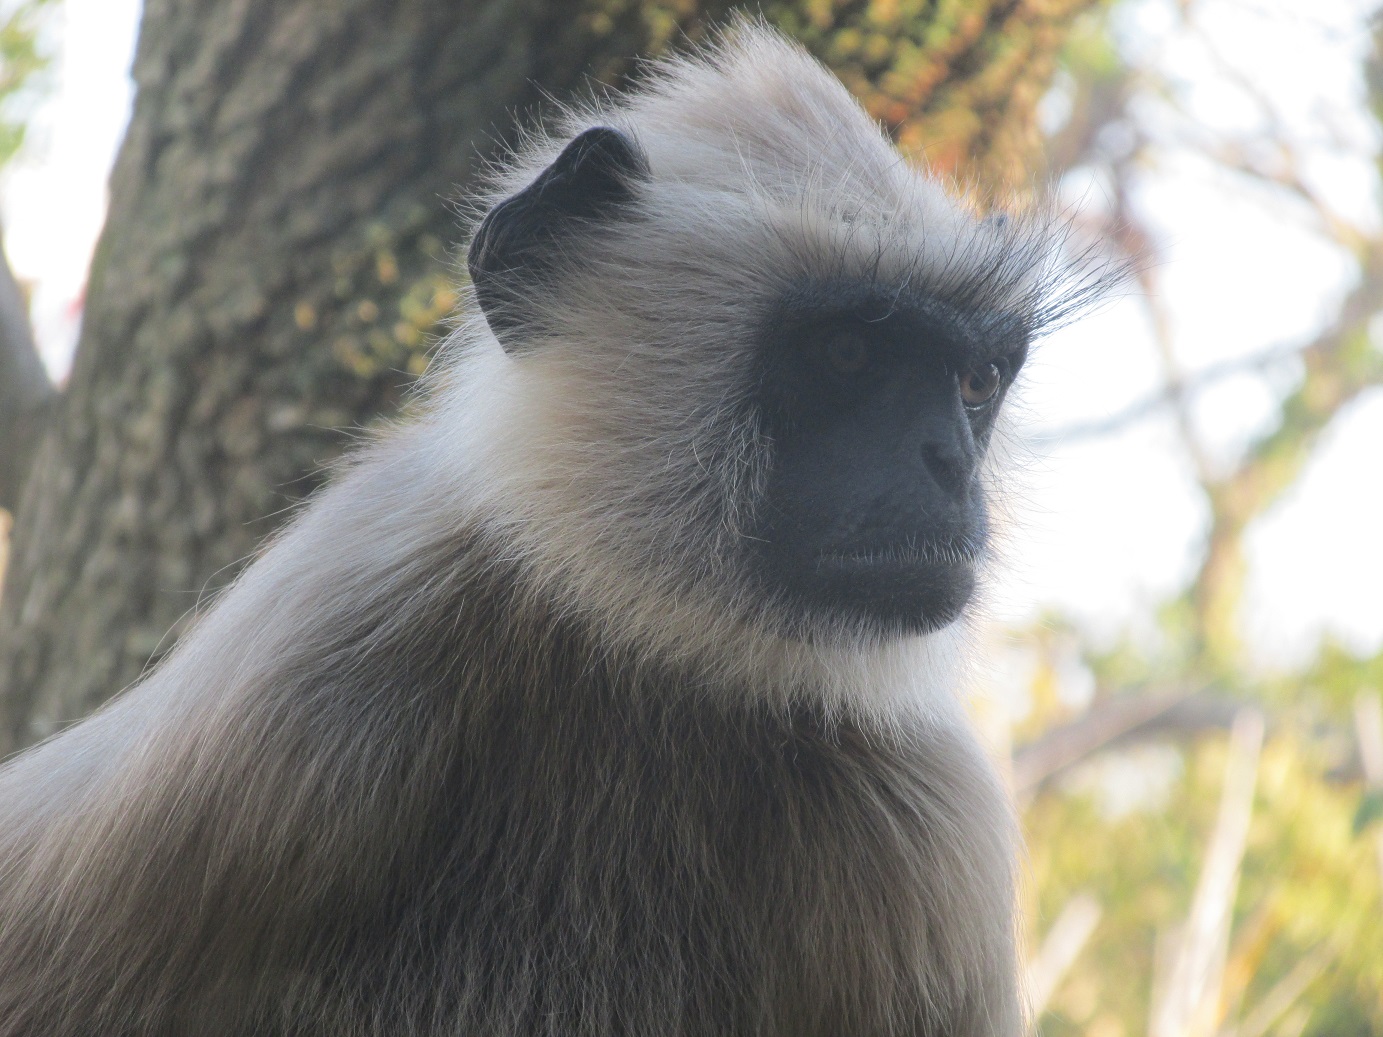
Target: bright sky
53, 198
1112, 524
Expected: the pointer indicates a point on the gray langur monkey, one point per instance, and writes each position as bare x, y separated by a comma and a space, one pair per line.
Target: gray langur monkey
617, 691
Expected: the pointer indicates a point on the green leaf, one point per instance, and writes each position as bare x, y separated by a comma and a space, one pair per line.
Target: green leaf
1370, 810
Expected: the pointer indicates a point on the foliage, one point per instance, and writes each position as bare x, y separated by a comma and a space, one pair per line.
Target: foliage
1302, 950
1309, 886
21, 60
956, 82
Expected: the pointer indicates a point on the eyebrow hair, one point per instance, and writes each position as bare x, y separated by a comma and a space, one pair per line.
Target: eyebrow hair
974, 333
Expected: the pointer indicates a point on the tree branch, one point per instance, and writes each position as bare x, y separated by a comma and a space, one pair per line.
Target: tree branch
1062, 945
1114, 721
1187, 386
1189, 1004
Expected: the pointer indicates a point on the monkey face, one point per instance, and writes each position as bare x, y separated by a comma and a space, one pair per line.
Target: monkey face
776, 395
878, 408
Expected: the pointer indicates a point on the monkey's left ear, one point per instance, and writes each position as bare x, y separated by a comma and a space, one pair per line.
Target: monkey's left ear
520, 241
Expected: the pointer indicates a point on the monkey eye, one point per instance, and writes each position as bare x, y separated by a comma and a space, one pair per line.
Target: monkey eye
847, 353
978, 387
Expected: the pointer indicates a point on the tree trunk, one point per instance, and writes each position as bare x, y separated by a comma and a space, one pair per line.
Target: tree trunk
26, 395
277, 259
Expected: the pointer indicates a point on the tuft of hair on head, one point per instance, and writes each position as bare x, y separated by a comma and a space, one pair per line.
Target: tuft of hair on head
746, 139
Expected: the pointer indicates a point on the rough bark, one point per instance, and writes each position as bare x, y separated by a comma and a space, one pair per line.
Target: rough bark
26, 394
277, 255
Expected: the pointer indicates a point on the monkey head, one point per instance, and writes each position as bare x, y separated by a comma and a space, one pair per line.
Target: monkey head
772, 357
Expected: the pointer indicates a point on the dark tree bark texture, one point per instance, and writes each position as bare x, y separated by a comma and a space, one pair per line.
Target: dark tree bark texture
26, 395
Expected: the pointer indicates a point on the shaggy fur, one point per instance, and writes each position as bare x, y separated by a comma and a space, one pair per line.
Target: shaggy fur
497, 739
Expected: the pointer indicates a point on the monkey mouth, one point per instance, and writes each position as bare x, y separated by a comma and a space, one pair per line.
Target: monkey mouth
895, 585
900, 588
958, 553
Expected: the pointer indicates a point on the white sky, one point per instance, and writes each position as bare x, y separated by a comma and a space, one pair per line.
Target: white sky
1112, 524
53, 198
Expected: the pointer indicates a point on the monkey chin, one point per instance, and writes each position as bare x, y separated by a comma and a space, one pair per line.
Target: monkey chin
885, 593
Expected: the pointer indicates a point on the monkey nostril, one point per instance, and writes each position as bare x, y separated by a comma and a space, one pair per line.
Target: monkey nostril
950, 466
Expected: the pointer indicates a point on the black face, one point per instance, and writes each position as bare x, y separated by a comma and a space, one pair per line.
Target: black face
879, 409
879, 403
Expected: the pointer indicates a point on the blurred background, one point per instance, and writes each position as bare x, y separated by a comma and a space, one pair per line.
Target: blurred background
1188, 648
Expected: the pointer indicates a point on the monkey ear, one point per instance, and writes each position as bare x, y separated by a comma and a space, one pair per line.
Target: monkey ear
521, 241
